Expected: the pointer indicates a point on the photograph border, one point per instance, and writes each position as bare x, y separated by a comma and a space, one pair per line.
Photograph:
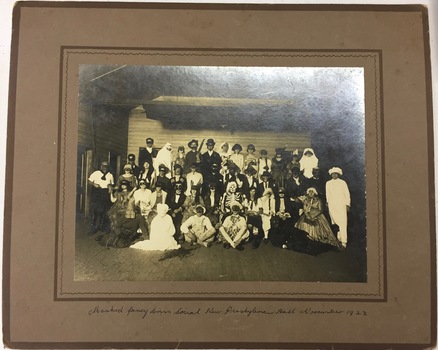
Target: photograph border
374, 54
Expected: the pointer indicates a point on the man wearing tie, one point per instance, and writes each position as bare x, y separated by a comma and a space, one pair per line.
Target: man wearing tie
175, 202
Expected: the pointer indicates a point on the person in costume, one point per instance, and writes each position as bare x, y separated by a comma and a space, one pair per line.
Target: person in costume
197, 229
233, 232
308, 162
162, 232
164, 157
313, 220
338, 202
101, 181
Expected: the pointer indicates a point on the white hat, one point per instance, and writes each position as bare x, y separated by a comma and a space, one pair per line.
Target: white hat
335, 170
235, 203
313, 189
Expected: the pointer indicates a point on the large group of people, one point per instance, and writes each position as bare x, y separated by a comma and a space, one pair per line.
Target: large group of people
221, 195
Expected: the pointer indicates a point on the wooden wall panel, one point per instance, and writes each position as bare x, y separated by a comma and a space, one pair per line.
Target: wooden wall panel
140, 127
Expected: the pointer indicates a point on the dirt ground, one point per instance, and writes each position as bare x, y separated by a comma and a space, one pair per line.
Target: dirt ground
197, 263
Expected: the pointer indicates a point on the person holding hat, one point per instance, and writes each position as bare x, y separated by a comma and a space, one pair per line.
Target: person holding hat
192, 156
209, 158
197, 229
338, 202
101, 182
313, 220
127, 176
162, 231
265, 183
308, 162
134, 167
237, 158
233, 232
148, 153
264, 163
163, 178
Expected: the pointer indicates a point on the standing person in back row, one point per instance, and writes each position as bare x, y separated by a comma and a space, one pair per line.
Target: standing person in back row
338, 202
149, 153
209, 158
100, 180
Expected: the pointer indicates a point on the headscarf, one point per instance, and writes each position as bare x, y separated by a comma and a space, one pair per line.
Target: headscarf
308, 163
162, 210
164, 156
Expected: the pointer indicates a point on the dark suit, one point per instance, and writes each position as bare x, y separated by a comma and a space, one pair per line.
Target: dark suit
208, 160
293, 190
146, 156
191, 157
246, 187
262, 187
175, 204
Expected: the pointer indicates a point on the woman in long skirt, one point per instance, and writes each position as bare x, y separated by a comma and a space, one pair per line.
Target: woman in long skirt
313, 220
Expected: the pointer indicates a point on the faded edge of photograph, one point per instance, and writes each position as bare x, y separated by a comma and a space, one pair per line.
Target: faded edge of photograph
201, 173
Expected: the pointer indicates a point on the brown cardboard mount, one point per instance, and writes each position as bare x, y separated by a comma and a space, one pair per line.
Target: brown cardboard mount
46, 306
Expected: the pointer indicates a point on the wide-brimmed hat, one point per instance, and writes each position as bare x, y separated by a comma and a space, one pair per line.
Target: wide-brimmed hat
162, 167
266, 174
193, 143
235, 204
210, 142
199, 206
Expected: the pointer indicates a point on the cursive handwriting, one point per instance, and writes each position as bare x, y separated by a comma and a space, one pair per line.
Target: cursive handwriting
228, 311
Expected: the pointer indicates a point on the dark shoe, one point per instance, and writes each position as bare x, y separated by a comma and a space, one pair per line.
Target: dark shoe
265, 240
240, 247
227, 245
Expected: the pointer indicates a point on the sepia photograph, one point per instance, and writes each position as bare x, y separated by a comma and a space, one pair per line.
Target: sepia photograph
221, 173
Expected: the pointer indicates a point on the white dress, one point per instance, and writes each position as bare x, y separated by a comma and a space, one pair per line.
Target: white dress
338, 198
162, 231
